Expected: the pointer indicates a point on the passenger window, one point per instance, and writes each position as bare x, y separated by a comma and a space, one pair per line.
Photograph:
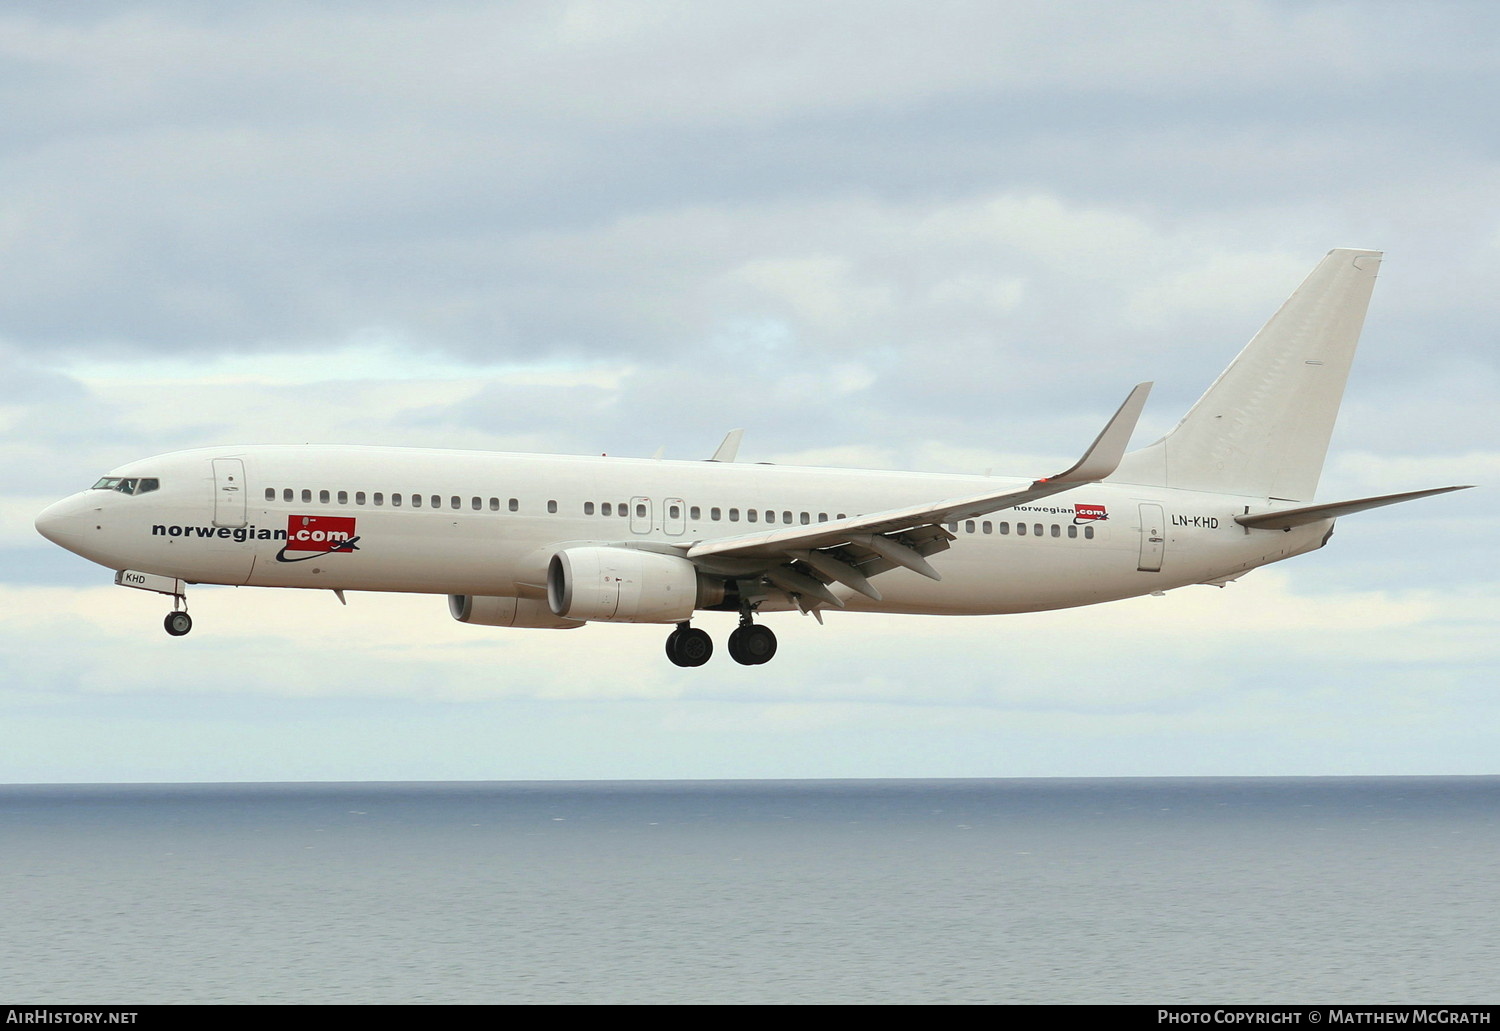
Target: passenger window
437, 501
379, 499
395, 500
1072, 531
952, 527
323, 497
987, 526
270, 493
607, 509
359, 497
969, 526
494, 504
1056, 530
287, 494
734, 515
673, 511
1088, 533
416, 501
455, 503
515, 506
307, 497
640, 511
477, 504
695, 512
751, 515
822, 517
343, 497
714, 514
806, 518
552, 507
1020, 529
1036, 528
588, 508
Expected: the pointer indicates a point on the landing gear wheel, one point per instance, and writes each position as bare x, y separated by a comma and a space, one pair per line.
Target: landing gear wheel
689, 646
178, 623
752, 644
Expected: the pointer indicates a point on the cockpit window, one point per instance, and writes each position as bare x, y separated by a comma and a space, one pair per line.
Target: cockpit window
129, 484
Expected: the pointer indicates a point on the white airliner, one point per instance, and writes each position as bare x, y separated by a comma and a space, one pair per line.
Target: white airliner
547, 541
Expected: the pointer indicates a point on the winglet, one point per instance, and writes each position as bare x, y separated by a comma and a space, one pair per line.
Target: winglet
730, 448
1104, 454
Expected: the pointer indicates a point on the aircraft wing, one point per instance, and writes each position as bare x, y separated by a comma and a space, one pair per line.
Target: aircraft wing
803, 560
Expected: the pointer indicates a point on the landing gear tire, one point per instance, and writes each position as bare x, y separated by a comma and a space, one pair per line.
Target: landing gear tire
752, 644
689, 646
178, 623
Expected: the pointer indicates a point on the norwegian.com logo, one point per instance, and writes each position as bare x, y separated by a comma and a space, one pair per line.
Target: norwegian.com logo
308, 537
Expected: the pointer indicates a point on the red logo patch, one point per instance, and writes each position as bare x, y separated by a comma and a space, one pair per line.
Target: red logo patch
1088, 513
320, 533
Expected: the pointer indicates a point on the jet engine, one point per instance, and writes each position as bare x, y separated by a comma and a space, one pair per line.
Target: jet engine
516, 612
624, 585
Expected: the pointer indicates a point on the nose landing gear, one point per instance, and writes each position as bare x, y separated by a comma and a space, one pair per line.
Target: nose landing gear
178, 622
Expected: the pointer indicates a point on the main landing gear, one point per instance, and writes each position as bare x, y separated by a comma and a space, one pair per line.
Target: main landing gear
750, 645
689, 646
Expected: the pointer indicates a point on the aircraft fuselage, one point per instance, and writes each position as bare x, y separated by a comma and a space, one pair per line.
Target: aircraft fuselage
480, 523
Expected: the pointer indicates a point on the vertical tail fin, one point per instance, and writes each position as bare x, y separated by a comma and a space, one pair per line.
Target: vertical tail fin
1263, 427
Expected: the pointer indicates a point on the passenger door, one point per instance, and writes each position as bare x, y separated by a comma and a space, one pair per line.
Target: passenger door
229, 492
1153, 538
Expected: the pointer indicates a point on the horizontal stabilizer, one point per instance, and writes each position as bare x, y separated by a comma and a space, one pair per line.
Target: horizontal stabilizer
1287, 518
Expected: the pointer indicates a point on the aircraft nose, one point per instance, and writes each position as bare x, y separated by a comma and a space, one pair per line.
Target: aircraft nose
59, 522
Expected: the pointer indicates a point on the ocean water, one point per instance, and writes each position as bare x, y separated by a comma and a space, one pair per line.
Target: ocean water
1355, 890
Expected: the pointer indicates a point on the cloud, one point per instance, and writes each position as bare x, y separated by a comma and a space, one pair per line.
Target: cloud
1102, 658
578, 178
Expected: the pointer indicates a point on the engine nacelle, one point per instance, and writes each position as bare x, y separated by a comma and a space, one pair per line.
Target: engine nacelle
621, 585
516, 612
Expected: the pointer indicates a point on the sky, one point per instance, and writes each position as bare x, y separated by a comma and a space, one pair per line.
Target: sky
932, 236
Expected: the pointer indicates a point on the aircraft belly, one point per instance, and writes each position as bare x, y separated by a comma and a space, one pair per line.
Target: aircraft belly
1006, 580
1039, 576
419, 570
